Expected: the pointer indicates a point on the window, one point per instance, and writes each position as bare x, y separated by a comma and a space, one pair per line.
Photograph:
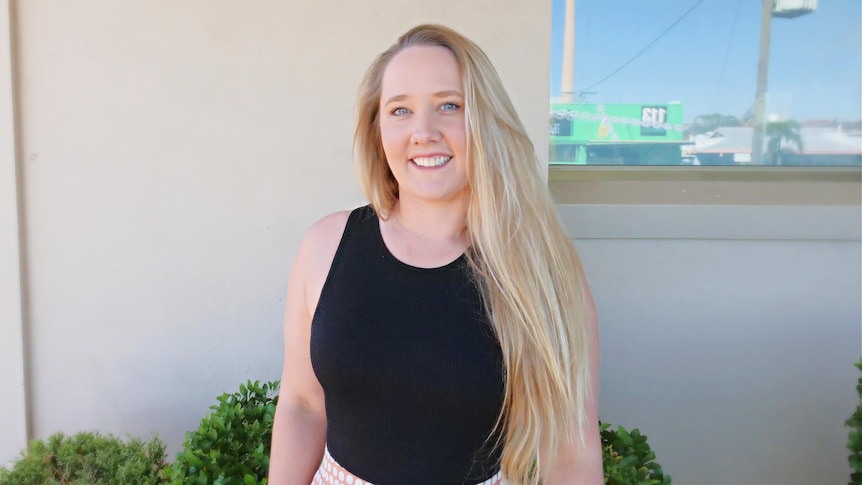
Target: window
676, 83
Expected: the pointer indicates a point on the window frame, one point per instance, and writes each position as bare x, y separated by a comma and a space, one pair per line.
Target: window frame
675, 185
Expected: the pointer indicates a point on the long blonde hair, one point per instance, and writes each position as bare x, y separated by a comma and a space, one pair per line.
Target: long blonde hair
524, 262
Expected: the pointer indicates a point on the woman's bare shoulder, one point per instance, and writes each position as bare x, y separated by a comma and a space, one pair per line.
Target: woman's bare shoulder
321, 240
317, 251
327, 230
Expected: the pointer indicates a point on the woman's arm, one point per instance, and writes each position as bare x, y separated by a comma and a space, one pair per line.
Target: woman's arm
576, 464
299, 430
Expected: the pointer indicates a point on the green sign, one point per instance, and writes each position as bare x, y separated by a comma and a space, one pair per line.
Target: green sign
611, 134
615, 122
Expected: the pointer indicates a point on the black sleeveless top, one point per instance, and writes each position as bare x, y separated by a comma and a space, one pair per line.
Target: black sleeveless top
410, 366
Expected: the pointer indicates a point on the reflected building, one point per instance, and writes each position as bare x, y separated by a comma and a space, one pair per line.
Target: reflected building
823, 144
616, 134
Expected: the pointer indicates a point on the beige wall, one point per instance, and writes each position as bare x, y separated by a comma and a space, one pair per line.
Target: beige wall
171, 154
729, 334
13, 432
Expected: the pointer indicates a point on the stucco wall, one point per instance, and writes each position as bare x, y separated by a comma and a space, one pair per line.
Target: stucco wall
13, 432
729, 334
172, 155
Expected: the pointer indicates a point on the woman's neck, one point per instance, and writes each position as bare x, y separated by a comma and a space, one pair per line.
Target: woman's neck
426, 236
444, 223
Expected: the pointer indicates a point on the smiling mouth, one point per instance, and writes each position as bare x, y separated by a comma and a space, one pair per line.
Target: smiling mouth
430, 162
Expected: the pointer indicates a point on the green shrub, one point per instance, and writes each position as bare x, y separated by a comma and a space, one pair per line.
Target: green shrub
628, 459
87, 459
854, 442
231, 445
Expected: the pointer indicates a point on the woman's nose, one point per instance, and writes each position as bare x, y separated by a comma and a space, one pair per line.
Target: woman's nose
425, 129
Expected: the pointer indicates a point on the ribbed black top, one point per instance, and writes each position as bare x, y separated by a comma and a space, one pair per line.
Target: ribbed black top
409, 364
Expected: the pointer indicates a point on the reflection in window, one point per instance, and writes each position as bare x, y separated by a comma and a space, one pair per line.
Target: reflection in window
675, 83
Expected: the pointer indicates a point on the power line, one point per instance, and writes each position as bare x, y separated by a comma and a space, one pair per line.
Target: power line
648, 45
726, 54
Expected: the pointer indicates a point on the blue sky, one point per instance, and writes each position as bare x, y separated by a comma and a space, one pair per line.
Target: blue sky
708, 61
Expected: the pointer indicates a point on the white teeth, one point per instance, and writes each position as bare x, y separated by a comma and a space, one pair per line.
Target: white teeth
431, 161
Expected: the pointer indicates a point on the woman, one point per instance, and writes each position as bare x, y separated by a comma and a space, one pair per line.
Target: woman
445, 333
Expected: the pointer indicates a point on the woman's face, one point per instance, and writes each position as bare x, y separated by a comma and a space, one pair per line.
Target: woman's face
422, 124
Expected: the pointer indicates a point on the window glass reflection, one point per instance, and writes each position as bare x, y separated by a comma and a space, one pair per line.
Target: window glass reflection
677, 82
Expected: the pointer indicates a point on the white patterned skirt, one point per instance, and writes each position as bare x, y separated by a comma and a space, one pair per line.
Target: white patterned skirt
331, 473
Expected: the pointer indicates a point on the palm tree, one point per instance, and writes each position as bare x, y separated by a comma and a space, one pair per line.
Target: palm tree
780, 135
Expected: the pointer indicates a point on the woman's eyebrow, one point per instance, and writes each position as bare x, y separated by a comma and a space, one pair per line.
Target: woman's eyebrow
446, 94
397, 97
438, 94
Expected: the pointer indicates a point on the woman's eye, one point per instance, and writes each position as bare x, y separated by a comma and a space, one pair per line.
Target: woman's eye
449, 107
399, 111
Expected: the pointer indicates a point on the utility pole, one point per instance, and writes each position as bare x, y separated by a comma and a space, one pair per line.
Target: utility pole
762, 74
567, 86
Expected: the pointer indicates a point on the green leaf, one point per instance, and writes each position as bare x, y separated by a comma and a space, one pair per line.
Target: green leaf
624, 435
232, 442
628, 459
